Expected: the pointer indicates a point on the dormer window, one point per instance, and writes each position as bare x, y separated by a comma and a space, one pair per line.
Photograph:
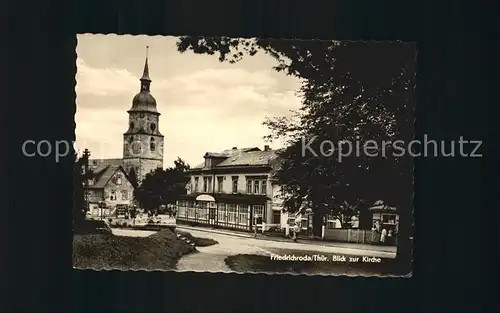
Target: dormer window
208, 162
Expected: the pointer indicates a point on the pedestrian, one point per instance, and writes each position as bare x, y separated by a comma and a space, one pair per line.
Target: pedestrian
296, 228
383, 235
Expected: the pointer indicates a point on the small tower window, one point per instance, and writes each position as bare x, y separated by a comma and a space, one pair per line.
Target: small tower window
152, 144
118, 180
132, 125
153, 127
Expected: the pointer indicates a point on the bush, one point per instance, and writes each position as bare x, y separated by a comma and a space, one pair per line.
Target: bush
156, 252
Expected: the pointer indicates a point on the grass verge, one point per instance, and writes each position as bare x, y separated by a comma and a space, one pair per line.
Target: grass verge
106, 251
198, 241
245, 263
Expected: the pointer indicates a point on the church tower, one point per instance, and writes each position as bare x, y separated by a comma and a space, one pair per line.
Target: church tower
143, 142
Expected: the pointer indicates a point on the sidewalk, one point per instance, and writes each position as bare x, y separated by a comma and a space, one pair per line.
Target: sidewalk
318, 242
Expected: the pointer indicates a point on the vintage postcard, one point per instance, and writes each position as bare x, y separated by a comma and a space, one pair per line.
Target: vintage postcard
244, 155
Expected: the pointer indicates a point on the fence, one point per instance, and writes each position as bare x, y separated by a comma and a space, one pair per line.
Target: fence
355, 236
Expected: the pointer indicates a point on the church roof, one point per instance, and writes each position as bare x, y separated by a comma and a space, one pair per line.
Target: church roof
144, 101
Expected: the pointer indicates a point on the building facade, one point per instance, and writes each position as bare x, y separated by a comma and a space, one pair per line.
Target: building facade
108, 189
233, 189
142, 142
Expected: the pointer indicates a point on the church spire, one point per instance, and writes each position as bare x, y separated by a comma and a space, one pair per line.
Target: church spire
145, 80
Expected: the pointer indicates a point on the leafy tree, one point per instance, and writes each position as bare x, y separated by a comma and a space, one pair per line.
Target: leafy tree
352, 92
162, 186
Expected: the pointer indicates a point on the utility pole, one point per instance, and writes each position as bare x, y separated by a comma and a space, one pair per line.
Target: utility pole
85, 174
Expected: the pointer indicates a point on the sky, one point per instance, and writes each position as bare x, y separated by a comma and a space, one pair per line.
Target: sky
205, 105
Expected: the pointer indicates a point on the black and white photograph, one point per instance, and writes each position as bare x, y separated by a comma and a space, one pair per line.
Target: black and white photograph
244, 155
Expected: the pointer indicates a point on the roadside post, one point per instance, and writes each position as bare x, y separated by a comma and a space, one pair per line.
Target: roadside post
255, 225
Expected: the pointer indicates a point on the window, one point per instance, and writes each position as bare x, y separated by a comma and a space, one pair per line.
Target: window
249, 186
152, 145
196, 181
132, 125
112, 195
276, 216
282, 192
256, 187
221, 212
153, 127
181, 208
91, 182
259, 210
118, 179
389, 219
231, 213
263, 187
205, 184
242, 214
202, 210
220, 181
235, 184
210, 184
124, 195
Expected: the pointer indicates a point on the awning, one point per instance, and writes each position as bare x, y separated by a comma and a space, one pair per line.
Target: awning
205, 198
227, 198
382, 208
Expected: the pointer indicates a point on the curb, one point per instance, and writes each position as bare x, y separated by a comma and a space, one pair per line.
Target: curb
208, 230
186, 240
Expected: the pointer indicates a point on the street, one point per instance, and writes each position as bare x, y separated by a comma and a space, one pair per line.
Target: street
211, 258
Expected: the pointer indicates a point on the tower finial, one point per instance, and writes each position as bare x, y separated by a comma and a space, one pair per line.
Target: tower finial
145, 80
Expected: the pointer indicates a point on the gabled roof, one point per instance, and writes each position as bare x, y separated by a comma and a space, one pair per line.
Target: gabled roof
252, 158
103, 176
98, 165
241, 157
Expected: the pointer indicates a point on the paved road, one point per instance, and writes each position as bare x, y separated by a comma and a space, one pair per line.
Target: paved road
211, 259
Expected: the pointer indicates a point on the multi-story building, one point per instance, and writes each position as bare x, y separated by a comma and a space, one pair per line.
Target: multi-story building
109, 188
234, 189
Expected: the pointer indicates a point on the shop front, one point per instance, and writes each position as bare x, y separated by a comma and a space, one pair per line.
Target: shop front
221, 211
385, 224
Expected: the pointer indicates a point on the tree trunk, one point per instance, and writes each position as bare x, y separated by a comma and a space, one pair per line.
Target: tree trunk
317, 224
404, 254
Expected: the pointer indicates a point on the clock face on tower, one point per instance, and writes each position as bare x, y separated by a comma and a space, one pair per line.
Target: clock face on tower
136, 148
